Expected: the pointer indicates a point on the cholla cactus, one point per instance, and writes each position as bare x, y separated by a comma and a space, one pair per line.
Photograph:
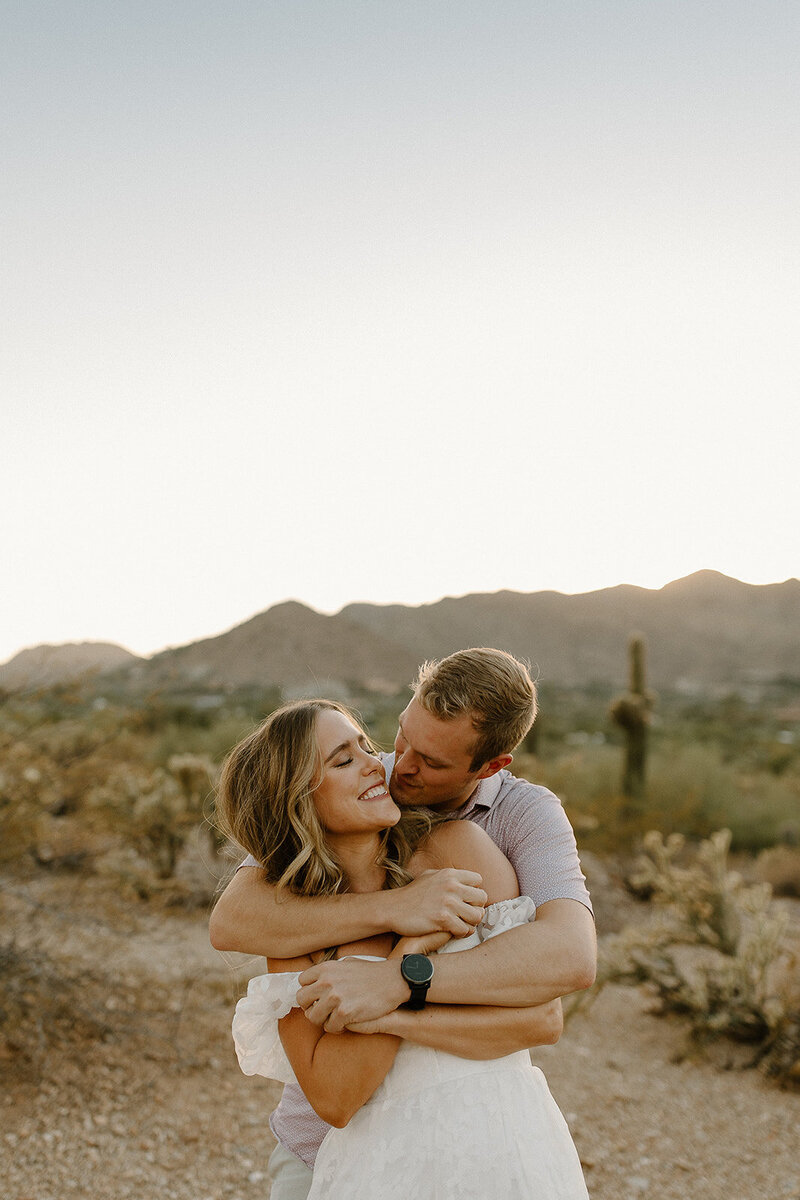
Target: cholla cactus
716, 950
196, 775
28, 792
631, 712
157, 810
706, 896
781, 1059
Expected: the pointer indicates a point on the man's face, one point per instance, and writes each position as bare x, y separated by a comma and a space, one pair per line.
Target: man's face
432, 760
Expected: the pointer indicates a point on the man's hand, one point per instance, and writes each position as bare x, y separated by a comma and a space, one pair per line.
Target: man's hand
451, 900
336, 994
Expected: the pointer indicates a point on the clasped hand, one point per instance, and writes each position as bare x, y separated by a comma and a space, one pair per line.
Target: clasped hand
336, 994
434, 907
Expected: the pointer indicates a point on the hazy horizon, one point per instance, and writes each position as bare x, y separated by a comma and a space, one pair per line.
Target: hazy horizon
149, 653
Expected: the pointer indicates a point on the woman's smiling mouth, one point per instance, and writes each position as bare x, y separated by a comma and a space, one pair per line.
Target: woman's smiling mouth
375, 792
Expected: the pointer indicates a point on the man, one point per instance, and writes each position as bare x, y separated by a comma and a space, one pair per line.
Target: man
452, 749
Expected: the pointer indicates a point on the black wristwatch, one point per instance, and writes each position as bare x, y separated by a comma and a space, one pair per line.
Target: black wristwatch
417, 970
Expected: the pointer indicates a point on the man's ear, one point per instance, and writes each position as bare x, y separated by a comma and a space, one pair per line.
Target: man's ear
494, 765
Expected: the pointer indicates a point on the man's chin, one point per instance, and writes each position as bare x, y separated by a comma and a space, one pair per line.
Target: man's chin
406, 797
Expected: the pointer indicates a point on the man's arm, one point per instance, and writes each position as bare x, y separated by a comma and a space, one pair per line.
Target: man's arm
529, 965
473, 1031
250, 917
550, 957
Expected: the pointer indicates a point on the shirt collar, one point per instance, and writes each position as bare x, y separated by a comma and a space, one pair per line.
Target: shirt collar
484, 795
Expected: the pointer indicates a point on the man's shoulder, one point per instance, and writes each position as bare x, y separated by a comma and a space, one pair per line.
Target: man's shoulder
513, 790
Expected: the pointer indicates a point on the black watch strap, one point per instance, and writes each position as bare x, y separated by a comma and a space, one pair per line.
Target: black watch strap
417, 971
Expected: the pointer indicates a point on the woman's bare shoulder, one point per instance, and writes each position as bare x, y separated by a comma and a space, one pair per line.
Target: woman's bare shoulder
464, 844
456, 838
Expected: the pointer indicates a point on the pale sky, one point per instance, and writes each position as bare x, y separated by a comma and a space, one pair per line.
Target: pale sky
386, 301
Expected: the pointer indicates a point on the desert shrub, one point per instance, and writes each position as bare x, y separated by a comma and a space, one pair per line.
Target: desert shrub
586, 779
717, 950
41, 1003
76, 786
196, 776
690, 789
155, 810
213, 742
29, 789
780, 868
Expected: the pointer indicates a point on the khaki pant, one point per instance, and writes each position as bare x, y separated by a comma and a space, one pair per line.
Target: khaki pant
291, 1178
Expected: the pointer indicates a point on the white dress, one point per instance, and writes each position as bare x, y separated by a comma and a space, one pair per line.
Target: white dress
438, 1127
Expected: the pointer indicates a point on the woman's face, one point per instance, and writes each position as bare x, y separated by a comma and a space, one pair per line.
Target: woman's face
351, 796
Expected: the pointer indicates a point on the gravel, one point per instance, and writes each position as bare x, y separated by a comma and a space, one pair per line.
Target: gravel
126, 1085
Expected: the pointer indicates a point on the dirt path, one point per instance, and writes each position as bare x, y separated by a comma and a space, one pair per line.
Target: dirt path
134, 1090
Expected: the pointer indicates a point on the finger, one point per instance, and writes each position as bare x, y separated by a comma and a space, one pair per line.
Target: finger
436, 941
308, 976
307, 995
475, 895
458, 915
334, 1024
315, 1015
363, 1027
458, 928
470, 878
471, 913
318, 1013
314, 998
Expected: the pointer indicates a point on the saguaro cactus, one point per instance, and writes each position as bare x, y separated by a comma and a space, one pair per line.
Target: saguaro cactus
631, 712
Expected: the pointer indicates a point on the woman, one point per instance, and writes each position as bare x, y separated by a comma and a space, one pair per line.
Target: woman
306, 795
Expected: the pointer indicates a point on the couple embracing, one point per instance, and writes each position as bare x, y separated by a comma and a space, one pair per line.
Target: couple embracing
422, 913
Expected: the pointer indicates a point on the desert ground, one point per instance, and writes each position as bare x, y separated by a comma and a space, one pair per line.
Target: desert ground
119, 1080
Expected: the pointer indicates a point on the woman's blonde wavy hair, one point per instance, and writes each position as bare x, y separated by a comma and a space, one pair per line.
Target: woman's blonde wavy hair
265, 802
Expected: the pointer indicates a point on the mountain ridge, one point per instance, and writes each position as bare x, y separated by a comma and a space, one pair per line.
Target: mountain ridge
50, 663
705, 630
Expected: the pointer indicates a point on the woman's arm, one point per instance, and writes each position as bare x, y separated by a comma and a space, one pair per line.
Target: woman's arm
337, 1072
329, 986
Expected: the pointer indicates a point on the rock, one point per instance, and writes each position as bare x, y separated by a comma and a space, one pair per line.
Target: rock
638, 1183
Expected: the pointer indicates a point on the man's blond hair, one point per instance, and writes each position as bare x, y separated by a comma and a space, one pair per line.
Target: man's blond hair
493, 687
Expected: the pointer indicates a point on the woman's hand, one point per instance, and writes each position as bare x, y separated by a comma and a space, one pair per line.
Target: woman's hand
428, 943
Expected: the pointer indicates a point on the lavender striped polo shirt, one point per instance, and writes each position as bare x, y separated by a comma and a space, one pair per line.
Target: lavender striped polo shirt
530, 826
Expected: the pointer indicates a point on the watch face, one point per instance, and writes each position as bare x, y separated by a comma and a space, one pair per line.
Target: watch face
417, 968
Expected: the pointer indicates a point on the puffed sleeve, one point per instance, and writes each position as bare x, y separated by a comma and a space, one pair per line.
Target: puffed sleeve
506, 914
255, 1025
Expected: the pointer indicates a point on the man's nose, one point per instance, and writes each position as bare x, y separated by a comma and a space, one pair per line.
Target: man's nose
406, 764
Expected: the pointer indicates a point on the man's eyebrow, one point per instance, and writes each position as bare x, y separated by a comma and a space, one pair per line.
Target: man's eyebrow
436, 762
